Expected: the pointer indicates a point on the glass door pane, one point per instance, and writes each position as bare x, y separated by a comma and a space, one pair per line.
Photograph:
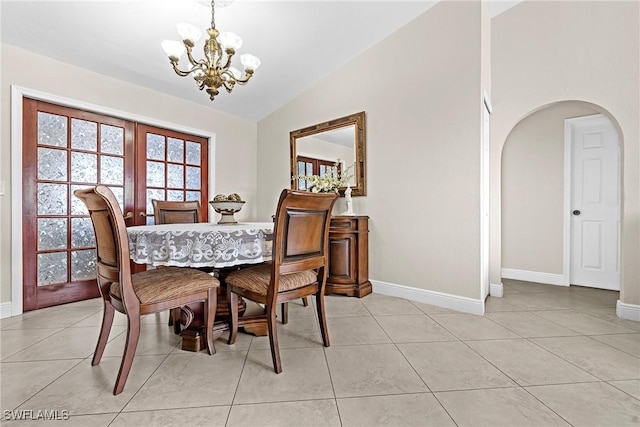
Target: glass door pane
174, 166
64, 150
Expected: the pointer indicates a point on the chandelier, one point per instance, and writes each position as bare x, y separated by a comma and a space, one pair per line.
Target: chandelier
215, 69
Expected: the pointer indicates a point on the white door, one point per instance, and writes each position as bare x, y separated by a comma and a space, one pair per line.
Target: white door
595, 203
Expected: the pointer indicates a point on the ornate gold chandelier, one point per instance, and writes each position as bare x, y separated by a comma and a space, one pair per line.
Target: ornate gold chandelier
215, 69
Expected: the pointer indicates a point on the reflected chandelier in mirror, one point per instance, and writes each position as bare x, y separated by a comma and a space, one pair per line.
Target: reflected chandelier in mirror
315, 149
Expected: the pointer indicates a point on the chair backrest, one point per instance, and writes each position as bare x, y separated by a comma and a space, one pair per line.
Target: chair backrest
112, 242
166, 212
301, 233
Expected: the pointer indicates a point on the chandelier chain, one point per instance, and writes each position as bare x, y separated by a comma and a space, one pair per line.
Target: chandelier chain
213, 19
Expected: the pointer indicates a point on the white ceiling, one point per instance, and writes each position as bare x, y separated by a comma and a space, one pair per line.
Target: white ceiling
298, 41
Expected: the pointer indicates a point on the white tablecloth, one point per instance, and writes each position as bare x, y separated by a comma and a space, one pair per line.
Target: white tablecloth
201, 244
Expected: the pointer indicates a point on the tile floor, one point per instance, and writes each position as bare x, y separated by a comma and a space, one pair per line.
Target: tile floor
541, 356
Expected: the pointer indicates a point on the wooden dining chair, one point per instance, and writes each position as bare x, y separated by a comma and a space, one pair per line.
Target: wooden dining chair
177, 212
174, 212
142, 293
298, 269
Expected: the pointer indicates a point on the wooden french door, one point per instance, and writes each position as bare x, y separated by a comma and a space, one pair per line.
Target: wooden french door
65, 149
172, 166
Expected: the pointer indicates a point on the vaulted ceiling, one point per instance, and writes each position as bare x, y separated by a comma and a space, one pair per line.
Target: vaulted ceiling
299, 42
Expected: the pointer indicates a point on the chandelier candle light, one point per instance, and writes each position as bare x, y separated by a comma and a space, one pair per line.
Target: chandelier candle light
215, 69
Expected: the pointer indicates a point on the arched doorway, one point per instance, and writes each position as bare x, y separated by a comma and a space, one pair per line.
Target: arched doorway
535, 224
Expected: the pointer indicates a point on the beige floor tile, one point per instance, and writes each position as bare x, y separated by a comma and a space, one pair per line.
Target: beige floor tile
16, 340
413, 328
283, 414
371, 370
380, 383
629, 343
340, 306
518, 302
21, 380
631, 387
599, 359
472, 327
355, 330
382, 305
558, 300
529, 325
121, 319
87, 389
397, 410
154, 339
521, 286
583, 323
101, 420
432, 309
600, 299
610, 315
506, 407
8, 321
69, 343
54, 317
243, 342
209, 416
590, 404
528, 364
296, 309
190, 380
452, 366
298, 332
304, 376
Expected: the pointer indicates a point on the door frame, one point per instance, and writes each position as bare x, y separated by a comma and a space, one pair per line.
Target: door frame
568, 161
17, 93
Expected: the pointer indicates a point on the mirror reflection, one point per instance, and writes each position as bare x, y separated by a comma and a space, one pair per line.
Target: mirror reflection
335, 147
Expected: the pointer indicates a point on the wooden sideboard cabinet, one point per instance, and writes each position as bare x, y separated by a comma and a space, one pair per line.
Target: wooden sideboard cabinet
349, 256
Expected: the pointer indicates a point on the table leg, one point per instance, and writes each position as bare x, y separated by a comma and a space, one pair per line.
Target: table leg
193, 334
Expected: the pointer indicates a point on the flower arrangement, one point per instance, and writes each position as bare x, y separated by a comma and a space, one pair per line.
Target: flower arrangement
330, 181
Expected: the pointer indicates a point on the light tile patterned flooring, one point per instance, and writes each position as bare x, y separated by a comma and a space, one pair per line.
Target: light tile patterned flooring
542, 356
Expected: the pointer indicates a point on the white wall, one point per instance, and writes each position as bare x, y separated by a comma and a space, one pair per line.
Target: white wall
533, 190
545, 52
420, 89
235, 139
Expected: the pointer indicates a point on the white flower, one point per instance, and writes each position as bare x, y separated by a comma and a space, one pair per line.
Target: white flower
331, 180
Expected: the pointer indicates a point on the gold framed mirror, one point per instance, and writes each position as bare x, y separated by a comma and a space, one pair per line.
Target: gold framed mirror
316, 148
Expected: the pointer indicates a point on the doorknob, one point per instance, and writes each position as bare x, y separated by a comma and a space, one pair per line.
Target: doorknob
128, 215
576, 212
143, 215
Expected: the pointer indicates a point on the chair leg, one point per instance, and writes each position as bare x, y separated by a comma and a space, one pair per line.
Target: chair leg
209, 317
232, 300
305, 301
133, 334
272, 326
322, 319
285, 312
174, 320
107, 321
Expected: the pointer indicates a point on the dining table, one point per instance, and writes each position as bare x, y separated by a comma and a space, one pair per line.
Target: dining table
218, 248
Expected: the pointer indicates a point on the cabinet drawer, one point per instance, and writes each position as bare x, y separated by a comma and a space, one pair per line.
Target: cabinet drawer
343, 224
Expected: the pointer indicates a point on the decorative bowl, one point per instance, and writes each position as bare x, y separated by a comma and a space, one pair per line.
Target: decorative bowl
227, 208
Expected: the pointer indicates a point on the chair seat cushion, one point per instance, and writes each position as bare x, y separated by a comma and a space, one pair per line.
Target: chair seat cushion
163, 284
256, 279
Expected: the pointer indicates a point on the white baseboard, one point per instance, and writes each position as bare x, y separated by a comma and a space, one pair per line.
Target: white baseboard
5, 309
628, 311
496, 290
535, 276
439, 299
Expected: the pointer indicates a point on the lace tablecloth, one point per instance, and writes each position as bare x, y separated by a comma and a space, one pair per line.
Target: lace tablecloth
201, 244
